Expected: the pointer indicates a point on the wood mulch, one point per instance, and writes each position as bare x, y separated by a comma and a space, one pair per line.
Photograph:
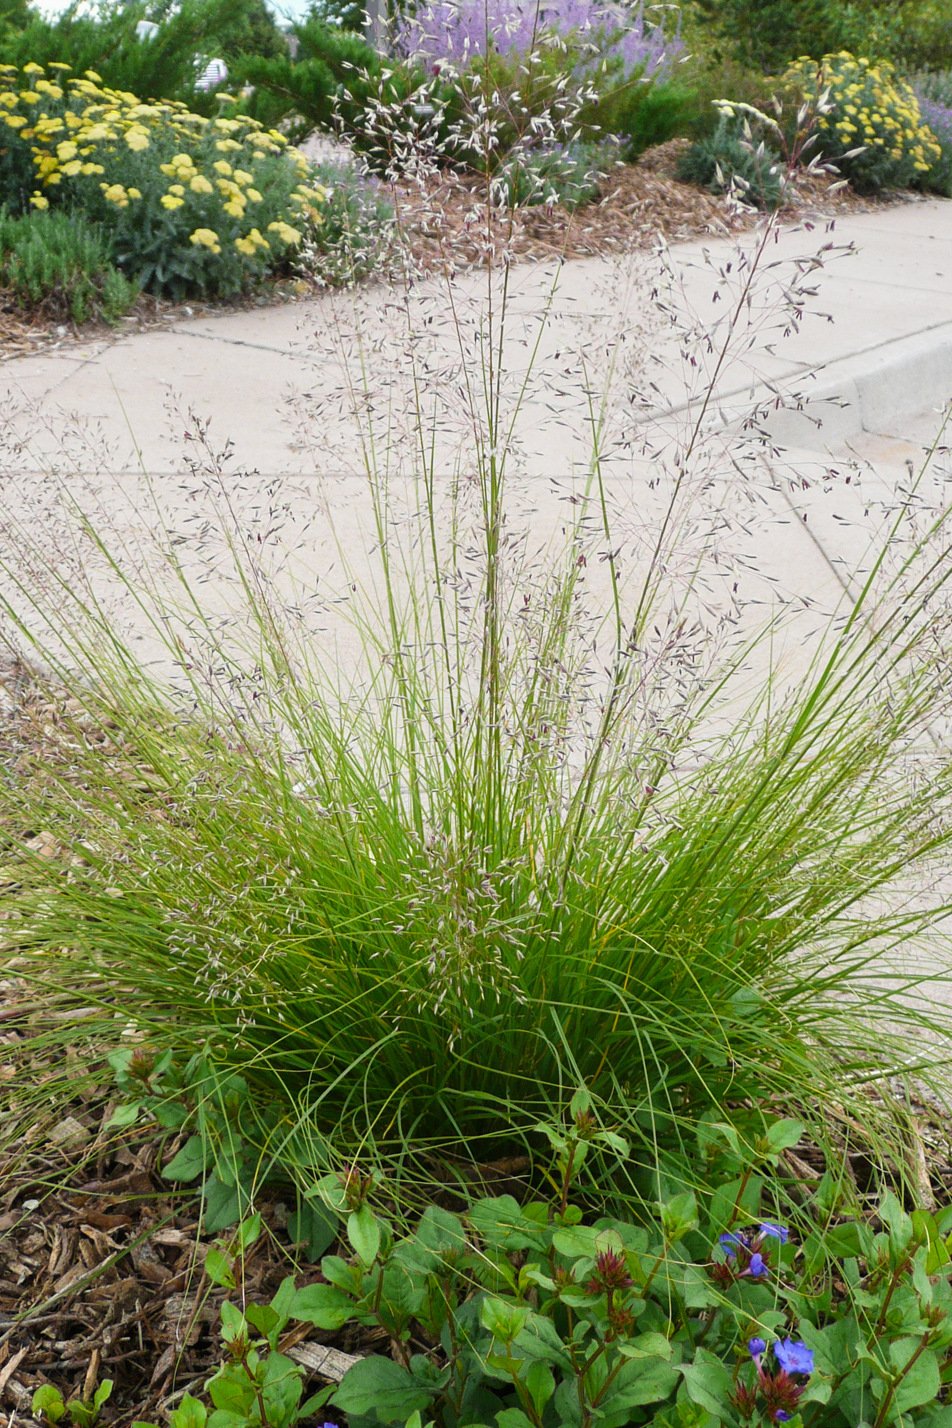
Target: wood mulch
444, 222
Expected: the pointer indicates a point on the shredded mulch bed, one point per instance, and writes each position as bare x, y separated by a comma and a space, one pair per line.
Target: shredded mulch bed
445, 224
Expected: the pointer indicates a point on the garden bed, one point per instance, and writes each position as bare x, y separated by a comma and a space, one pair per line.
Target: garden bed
640, 204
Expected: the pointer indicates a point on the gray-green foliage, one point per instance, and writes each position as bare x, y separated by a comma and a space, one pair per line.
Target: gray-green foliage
566, 174
60, 265
730, 160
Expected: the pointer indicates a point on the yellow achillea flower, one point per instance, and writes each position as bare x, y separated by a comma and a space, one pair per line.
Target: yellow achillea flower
115, 193
200, 184
136, 140
285, 232
39, 200
205, 238
170, 201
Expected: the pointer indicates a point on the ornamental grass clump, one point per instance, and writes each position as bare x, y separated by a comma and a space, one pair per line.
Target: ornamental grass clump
534, 838
868, 121
187, 204
531, 831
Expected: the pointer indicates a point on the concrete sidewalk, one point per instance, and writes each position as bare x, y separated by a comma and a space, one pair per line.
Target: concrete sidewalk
821, 351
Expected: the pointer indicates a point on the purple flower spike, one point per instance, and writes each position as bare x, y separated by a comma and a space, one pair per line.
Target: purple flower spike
756, 1347
777, 1232
793, 1356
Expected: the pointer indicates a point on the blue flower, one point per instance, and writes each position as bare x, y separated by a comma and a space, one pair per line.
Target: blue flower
758, 1266
777, 1232
781, 1416
793, 1356
756, 1347
729, 1242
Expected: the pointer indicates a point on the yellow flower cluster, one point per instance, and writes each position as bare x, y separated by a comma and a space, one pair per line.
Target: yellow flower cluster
859, 104
76, 129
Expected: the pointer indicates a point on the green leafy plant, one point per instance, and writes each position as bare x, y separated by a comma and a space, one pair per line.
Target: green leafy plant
732, 160
535, 1315
642, 114
60, 266
48, 1403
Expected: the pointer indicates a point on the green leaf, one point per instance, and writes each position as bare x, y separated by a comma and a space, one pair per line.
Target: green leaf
440, 1231
540, 1385
224, 1418
330, 1189
783, 1135
49, 1401
926, 1228
580, 1241
171, 1115
615, 1142
378, 1385
314, 1228
679, 1216
262, 1317
738, 1200
223, 1205
513, 1418
249, 1231
920, 1385
363, 1231
233, 1323
124, 1116
218, 1268
581, 1102
708, 1382
323, 1306
189, 1163
645, 1381
191, 1413
102, 1394
503, 1319
715, 1135
232, 1391
501, 1221
284, 1298
282, 1383
651, 1345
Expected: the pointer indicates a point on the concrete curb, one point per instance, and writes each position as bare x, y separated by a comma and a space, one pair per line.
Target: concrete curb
869, 390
